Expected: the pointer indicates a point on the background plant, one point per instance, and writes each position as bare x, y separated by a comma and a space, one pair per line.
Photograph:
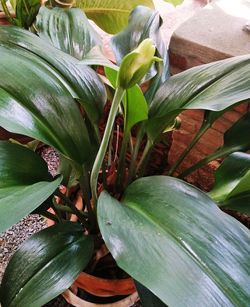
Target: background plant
59, 100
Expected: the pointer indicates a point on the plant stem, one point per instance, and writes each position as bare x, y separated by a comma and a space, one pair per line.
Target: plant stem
205, 126
7, 12
57, 212
122, 161
72, 207
144, 159
84, 184
223, 151
50, 216
104, 144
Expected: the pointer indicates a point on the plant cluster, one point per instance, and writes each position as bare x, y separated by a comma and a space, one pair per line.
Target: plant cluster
169, 236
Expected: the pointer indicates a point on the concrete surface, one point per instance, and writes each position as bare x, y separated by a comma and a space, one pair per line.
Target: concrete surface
215, 32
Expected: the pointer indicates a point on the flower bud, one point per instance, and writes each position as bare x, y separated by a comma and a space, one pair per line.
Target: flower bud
136, 64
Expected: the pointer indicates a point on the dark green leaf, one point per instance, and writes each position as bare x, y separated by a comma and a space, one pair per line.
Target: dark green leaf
232, 183
81, 80
144, 23
110, 15
148, 299
173, 239
216, 86
35, 102
73, 35
41, 269
26, 11
24, 183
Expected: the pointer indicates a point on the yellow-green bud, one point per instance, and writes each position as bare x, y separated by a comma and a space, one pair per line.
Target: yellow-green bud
136, 64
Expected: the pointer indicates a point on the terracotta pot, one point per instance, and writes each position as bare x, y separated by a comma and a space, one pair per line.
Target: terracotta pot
72, 299
3, 19
105, 287
97, 286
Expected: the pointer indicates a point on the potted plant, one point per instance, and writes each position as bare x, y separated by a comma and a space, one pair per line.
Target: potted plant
169, 236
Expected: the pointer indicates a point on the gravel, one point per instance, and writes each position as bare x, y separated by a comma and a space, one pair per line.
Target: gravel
18, 233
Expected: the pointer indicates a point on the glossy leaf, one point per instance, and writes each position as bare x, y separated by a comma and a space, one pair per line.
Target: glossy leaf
232, 183
136, 108
37, 104
96, 57
216, 87
43, 266
172, 238
26, 11
74, 34
24, 183
83, 82
110, 15
144, 23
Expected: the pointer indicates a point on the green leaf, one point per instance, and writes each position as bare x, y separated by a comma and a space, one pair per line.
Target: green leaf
24, 183
215, 86
134, 102
148, 299
144, 23
96, 57
195, 254
136, 108
26, 11
74, 34
232, 183
35, 102
43, 266
82, 81
110, 15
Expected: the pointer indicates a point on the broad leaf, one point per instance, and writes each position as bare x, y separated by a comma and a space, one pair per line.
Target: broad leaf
81, 80
216, 86
41, 269
232, 183
195, 254
144, 23
110, 15
24, 183
96, 57
74, 34
35, 102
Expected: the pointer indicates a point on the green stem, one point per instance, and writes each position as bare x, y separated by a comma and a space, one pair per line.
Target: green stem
205, 126
50, 216
57, 212
122, 161
72, 206
7, 12
132, 167
104, 144
84, 184
144, 159
222, 152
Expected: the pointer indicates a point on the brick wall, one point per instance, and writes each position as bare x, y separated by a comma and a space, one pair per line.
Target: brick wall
192, 119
